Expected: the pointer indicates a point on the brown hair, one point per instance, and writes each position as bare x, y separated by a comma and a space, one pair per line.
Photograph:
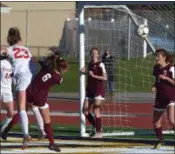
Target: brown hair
56, 62
13, 36
164, 53
94, 48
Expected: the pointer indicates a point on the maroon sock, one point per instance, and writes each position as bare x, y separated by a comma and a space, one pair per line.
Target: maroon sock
98, 124
14, 121
158, 132
91, 119
49, 132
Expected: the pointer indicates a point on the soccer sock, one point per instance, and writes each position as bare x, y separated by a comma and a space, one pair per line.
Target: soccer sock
158, 132
24, 122
91, 119
39, 118
5, 123
98, 124
15, 120
49, 132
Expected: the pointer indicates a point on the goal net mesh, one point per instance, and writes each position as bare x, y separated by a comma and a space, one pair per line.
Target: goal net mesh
129, 104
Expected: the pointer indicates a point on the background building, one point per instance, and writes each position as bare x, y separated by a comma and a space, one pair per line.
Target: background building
41, 24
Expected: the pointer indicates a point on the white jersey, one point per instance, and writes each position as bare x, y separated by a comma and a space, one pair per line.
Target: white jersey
21, 59
6, 79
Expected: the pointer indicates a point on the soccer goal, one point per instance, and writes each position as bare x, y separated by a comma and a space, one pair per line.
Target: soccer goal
131, 35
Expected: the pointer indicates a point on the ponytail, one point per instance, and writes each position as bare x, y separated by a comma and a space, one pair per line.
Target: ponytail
56, 62
14, 36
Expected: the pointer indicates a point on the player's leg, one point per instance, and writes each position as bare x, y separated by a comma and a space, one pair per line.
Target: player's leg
97, 113
170, 112
8, 104
22, 82
9, 109
86, 111
24, 122
157, 117
13, 122
47, 127
39, 120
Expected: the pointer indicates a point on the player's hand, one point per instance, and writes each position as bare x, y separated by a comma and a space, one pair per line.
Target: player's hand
91, 73
83, 70
154, 89
163, 77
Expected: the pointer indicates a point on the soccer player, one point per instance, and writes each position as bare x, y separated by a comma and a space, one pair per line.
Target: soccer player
50, 74
7, 99
23, 69
165, 89
95, 91
6, 96
15, 119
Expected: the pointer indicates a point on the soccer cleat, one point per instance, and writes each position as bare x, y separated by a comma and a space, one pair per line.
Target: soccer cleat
54, 147
26, 139
97, 135
4, 133
158, 144
92, 132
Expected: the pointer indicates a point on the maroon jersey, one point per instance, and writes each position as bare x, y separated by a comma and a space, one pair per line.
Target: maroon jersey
165, 90
94, 86
37, 91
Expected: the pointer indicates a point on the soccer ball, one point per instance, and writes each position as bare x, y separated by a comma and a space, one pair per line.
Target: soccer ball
142, 30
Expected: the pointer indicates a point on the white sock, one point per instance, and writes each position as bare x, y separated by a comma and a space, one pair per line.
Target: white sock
5, 123
24, 121
39, 118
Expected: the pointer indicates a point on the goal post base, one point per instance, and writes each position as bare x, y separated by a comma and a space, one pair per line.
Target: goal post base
85, 135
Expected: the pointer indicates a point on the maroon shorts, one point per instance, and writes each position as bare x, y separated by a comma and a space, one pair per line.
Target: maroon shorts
95, 95
36, 98
162, 103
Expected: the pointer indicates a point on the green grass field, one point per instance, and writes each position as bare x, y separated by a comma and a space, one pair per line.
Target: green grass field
134, 75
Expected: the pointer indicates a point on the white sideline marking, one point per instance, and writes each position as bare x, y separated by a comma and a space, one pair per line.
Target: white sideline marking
131, 133
133, 150
74, 146
68, 114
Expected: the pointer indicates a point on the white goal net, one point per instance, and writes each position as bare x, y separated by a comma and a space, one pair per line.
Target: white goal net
114, 28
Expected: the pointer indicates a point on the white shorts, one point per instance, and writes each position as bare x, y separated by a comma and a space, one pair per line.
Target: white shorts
6, 97
22, 81
97, 97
